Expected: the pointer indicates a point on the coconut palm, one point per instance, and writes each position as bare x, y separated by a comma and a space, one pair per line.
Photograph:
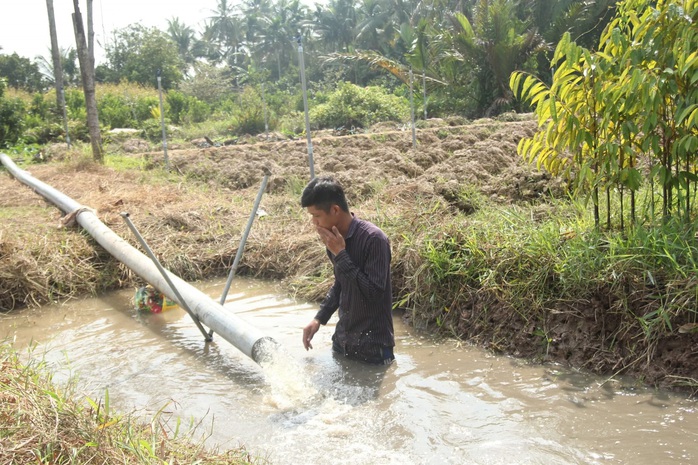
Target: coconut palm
71, 71
377, 29
183, 36
223, 31
281, 25
335, 24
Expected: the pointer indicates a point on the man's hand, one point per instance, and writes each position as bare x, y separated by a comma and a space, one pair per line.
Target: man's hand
308, 333
332, 239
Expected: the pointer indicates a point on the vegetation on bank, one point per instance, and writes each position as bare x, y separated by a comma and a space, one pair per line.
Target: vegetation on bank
47, 422
542, 283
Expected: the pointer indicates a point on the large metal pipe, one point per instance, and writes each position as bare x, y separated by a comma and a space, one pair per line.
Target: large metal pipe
248, 339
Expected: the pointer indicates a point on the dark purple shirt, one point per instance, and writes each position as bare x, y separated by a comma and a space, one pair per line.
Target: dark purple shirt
361, 291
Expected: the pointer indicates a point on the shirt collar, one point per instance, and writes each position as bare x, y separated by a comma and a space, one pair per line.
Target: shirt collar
352, 226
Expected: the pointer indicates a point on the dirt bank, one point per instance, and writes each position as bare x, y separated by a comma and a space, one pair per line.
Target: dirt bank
194, 216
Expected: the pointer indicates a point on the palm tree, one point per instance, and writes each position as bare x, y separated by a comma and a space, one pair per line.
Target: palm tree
420, 55
335, 24
223, 31
376, 30
491, 48
255, 13
71, 72
552, 18
183, 36
281, 25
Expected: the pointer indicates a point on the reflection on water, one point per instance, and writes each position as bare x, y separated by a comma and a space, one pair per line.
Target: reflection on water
440, 403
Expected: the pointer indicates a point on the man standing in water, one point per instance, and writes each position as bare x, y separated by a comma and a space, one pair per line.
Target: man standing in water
360, 254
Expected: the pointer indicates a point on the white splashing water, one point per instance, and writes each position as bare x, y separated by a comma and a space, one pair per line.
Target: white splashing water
290, 385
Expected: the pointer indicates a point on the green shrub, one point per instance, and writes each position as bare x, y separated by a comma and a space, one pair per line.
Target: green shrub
197, 111
115, 112
143, 108
12, 112
152, 129
75, 103
248, 116
78, 130
210, 128
292, 123
354, 106
42, 131
186, 109
42, 107
178, 103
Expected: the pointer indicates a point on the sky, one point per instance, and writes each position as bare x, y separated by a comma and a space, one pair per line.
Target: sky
24, 23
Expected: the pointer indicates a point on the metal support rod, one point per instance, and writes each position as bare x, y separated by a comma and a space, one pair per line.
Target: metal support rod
414, 135
163, 272
266, 116
301, 65
424, 93
243, 240
162, 124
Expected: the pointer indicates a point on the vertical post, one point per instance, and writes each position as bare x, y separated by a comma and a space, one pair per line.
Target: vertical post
301, 65
424, 93
266, 117
414, 135
162, 124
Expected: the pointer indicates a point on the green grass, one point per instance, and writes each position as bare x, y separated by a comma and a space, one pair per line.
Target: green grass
19, 212
532, 265
124, 162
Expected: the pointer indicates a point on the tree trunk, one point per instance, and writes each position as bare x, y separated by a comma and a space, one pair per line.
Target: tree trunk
88, 84
57, 68
424, 92
278, 64
90, 34
608, 208
597, 220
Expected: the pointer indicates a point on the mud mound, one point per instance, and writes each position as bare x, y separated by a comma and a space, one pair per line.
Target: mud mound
482, 155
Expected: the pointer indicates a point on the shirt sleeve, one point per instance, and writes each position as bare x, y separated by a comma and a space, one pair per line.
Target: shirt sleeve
370, 281
330, 304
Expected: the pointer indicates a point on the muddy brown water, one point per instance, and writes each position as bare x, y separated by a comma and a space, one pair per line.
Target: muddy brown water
441, 403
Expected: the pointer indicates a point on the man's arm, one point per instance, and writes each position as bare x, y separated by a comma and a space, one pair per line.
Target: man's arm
328, 306
330, 303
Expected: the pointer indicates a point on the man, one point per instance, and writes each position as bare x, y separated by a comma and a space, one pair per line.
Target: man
360, 254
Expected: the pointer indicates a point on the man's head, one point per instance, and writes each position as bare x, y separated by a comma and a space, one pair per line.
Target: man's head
324, 199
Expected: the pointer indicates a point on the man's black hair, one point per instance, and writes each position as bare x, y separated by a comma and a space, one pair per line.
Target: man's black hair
322, 193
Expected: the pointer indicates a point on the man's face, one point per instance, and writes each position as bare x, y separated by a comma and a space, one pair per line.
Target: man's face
324, 219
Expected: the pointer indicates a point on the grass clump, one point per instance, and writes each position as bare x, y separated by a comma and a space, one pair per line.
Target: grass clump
548, 285
42, 422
